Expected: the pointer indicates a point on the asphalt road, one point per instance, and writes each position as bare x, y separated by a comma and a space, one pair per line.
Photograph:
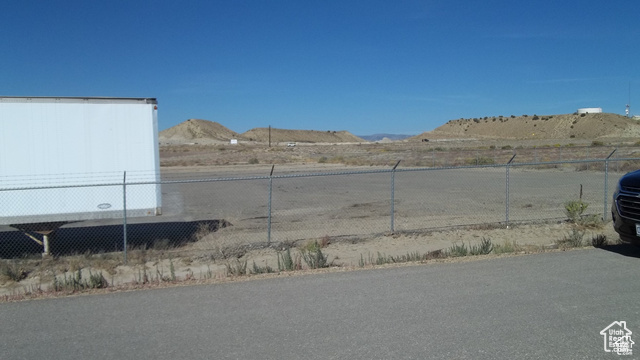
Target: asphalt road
545, 306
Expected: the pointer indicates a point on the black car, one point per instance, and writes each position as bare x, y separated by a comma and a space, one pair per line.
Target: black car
625, 209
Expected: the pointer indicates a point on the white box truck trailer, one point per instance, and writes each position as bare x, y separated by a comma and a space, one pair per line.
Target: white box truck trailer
58, 156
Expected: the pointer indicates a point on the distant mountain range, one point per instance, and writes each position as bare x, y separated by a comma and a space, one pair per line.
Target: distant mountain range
378, 137
205, 132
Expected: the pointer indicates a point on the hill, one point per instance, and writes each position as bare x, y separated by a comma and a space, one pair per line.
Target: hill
207, 132
197, 130
303, 136
566, 126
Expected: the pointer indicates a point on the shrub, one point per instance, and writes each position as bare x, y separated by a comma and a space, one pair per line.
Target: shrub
237, 268
597, 143
599, 240
592, 221
262, 269
315, 259
574, 209
575, 239
484, 160
484, 248
506, 248
254, 161
287, 263
458, 250
75, 282
630, 165
322, 160
12, 271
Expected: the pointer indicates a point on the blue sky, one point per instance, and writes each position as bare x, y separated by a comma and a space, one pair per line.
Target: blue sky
368, 67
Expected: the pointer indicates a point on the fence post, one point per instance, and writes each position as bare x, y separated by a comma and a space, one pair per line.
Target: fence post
606, 183
393, 180
124, 216
506, 211
269, 207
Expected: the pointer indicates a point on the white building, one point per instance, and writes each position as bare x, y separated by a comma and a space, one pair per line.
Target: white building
589, 110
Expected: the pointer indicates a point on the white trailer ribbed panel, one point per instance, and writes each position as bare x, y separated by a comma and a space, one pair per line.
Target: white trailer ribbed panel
71, 149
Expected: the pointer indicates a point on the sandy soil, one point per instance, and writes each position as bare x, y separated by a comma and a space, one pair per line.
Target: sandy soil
343, 253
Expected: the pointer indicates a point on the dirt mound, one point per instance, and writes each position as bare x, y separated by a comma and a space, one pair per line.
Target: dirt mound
196, 130
303, 136
578, 126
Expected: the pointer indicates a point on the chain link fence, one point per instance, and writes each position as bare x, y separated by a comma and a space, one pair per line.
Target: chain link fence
219, 217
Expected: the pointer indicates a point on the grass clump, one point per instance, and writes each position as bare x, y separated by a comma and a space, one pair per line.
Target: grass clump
237, 268
75, 282
261, 269
315, 259
507, 247
286, 262
458, 250
172, 270
337, 159
592, 221
599, 241
481, 160
630, 165
484, 248
11, 270
573, 240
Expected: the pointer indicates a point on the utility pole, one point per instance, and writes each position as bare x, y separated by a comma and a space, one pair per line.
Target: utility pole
629, 102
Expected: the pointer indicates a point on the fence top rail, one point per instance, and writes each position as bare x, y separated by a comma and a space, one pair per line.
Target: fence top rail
305, 175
